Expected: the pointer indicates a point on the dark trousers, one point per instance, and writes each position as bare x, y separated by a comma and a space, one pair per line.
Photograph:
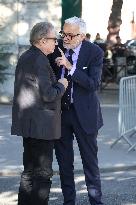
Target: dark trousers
65, 156
35, 180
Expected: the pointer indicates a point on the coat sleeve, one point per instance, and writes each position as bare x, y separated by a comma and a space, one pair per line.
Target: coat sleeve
49, 90
91, 78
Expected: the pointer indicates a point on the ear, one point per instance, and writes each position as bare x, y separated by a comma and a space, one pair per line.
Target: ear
42, 41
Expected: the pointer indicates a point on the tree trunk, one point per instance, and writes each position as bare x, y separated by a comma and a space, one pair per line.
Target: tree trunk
114, 20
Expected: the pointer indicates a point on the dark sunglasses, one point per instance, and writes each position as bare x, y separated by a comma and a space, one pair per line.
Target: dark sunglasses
68, 35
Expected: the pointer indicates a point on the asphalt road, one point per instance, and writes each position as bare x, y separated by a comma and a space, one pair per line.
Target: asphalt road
119, 188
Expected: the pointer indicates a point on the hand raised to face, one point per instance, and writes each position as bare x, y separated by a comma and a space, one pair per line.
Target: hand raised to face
63, 60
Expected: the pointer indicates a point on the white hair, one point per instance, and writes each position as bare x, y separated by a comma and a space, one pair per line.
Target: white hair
77, 21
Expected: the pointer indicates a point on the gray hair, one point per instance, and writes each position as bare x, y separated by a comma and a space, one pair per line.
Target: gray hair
77, 21
39, 31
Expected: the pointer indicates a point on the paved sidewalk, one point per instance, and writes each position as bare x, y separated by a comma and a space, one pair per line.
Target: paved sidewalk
112, 183
109, 159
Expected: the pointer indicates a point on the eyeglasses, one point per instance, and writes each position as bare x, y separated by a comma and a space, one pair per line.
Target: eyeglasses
68, 35
55, 39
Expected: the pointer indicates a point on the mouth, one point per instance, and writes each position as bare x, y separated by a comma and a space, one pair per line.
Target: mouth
66, 44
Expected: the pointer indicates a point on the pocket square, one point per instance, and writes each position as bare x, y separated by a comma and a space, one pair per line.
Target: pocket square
84, 68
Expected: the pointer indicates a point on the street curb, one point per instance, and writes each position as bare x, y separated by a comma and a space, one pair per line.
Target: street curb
5, 173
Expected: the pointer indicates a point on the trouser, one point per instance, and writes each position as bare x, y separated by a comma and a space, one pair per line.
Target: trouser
65, 156
35, 180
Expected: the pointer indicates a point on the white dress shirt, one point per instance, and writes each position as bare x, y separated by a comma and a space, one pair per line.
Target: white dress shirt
72, 70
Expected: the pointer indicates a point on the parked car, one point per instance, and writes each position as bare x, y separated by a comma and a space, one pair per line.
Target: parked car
131, 56
131, 47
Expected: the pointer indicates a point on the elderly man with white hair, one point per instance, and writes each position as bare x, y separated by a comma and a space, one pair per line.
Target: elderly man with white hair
81, 63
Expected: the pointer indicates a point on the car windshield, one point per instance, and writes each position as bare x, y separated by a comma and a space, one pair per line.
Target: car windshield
132, 43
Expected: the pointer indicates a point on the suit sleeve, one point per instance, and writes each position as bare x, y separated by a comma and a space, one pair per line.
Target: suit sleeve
49, 91
91, 78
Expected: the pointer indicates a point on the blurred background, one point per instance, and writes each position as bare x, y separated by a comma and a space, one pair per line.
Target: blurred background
106, 19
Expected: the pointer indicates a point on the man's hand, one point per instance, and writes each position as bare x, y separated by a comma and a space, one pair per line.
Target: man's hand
64, 82
63, 61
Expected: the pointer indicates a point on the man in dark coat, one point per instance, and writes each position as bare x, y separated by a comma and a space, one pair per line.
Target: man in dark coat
36, 114
81, 62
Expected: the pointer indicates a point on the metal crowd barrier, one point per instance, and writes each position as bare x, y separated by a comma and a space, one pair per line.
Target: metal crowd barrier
127, 111
121, 67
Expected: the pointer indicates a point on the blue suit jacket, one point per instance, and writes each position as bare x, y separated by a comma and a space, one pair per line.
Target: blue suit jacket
86, 81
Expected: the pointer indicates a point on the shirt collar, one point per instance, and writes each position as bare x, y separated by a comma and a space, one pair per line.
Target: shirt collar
77, 49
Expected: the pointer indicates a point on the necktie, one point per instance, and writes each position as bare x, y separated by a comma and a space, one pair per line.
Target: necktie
66, 99
70, 60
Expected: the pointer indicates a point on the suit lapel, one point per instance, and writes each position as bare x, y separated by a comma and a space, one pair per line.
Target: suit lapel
82, 58
83, 55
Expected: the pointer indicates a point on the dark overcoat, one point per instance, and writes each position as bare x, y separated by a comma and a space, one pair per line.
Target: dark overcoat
36, 110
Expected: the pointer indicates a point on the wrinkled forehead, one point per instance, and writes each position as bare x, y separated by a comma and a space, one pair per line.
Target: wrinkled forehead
71, 28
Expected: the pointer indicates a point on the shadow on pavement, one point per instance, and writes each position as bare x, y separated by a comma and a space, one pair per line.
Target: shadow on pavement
118, 188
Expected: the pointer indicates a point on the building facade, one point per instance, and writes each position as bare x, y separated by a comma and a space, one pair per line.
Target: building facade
17, 17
